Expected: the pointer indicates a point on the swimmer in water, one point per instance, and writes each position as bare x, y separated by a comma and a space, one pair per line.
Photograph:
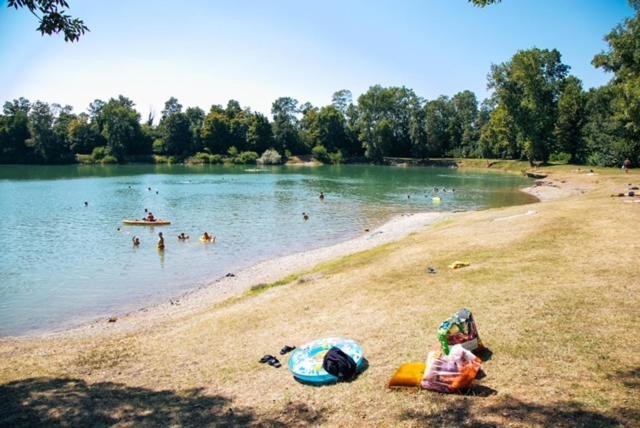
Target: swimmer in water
305, 216
136, 241
321, 196
183, 237
86, 204
160, 241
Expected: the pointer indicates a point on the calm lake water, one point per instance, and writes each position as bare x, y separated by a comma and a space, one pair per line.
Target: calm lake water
62, 263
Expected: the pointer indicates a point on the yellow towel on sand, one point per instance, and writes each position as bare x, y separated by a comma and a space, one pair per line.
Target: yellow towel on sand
458, 264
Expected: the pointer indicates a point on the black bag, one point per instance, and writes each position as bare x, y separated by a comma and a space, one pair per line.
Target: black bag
339, 364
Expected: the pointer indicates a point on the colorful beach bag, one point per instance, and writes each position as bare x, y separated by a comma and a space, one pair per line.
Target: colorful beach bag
460, 329
451, 373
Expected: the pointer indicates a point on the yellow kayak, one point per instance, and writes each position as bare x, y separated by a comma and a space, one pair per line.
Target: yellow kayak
146, 222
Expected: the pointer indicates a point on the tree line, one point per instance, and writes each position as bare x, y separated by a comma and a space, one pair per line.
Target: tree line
536, 111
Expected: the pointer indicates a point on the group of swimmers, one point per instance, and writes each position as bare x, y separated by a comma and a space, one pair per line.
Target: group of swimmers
206, 237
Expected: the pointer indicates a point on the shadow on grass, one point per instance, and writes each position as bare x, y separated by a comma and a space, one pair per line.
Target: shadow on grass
509, 410
73, 402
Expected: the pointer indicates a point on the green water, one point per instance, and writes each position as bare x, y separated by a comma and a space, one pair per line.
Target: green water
62, 263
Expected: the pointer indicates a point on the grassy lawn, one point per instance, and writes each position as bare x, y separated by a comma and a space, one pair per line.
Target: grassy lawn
555, 295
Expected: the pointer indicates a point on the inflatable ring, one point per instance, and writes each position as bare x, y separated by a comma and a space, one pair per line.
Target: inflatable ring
306, 361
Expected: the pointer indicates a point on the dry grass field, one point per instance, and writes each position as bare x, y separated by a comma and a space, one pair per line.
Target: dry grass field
556, 295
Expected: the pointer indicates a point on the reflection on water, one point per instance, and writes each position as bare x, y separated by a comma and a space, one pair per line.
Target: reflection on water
62, 262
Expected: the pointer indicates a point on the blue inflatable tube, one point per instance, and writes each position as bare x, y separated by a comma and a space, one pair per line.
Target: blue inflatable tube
306, 361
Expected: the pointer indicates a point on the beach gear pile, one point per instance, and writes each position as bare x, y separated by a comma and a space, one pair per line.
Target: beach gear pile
326, 361
451, 368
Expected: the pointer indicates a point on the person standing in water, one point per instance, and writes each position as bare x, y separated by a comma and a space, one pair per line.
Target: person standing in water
136, 241
160, 241
321, 196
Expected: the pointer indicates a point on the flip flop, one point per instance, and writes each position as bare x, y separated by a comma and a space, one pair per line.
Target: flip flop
286, 349
266, 359
274, 362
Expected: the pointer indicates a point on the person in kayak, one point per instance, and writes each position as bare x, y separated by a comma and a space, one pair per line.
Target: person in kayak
151, 217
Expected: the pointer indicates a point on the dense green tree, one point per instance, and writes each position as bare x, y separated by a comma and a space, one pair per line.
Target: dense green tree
216, 133
529, 87
83, 137
14, 132
623, 59
384, 121
438, 115
120, 127
259, 133
464, 106
171, 106
571, 120
326, 127
52, 17
196, 120
176, 134
498, 138
342, 99
285, 126
45, 143
602, 134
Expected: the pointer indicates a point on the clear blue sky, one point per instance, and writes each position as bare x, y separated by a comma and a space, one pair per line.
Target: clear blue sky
206, 52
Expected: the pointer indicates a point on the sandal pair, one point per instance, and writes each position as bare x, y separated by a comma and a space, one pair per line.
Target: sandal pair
271, 360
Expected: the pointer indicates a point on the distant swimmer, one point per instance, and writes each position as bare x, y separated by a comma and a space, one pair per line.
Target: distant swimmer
149, 189
156, 192
160, 241
435, 189
207, 238
305, 216
183, 237
136, 241
408, 196
321, 196
86, 204
146, 210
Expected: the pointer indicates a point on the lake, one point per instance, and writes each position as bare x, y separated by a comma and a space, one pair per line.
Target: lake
63, 263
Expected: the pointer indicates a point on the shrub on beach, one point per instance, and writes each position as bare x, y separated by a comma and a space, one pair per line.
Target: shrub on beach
100, 153
215, 159
320, 153
245, 158
336, 157
270, 157
109, 159
159, 147
560, 158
